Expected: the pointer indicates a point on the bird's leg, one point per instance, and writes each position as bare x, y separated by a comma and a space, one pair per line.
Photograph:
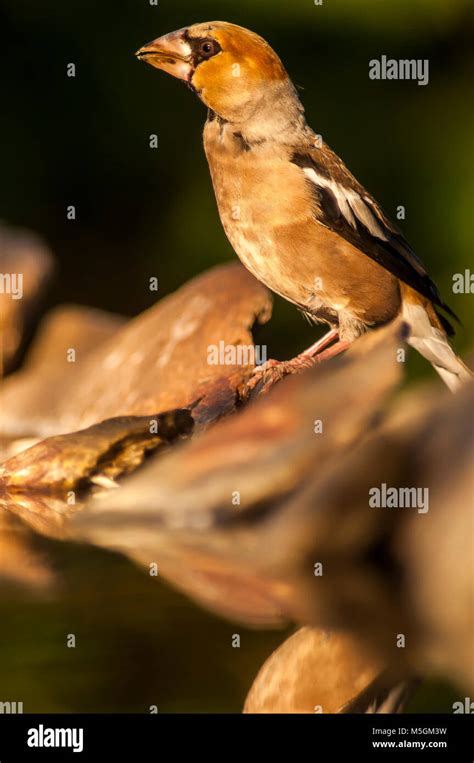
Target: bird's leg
332, 351
321, 344
273, 370
304, 360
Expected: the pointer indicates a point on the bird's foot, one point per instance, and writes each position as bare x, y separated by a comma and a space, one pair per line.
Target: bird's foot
271, 372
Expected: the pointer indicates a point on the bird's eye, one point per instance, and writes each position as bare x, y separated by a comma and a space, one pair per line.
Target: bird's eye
208, 48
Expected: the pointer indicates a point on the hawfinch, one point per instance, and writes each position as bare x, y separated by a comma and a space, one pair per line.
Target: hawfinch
295, 215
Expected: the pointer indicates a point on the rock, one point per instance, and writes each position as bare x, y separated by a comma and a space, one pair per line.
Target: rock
156, 362
101, 453
29, 397
211, 511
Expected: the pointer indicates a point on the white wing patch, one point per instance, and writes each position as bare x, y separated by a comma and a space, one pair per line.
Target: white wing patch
350, 204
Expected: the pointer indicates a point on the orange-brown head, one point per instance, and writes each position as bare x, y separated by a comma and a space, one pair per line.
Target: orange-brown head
229, 67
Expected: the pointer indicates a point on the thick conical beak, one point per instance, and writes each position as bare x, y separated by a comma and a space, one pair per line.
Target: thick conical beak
171, 53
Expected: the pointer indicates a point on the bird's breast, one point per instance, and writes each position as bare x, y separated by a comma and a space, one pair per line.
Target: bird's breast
256, 190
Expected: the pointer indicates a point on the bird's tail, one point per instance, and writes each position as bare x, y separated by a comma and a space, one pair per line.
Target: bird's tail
429, 338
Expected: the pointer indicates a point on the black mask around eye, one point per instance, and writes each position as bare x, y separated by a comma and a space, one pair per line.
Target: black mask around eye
204, 49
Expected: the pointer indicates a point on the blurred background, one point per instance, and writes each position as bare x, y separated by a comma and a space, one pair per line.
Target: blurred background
142, 212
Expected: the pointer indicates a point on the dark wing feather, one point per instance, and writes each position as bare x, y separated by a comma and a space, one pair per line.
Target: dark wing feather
345, 207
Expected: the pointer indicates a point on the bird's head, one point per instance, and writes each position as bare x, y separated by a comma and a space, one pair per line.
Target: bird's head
232, 70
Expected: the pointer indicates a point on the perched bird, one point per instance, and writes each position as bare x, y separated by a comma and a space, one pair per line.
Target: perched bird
295, 215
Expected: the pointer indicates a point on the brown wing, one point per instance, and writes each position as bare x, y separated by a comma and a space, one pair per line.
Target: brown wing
344, 206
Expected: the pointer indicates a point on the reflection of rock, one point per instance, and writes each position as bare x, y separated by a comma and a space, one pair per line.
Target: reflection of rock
20, 563
156, 362
315, 671
25, 268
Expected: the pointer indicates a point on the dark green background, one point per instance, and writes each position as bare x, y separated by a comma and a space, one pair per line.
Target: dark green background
144, 212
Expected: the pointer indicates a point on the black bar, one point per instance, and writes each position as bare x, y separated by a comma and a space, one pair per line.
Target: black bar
166, 737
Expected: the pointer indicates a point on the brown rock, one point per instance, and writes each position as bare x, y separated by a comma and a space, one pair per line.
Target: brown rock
211, 511
101, 452
29, 398
157, 362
